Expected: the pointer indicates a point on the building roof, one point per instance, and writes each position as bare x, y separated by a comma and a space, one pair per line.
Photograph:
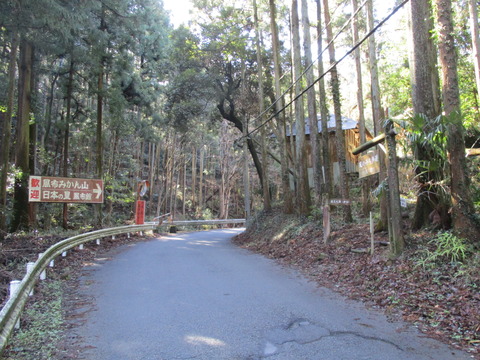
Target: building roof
347, 124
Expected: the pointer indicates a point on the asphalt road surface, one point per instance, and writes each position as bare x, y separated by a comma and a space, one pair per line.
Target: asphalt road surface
197, 296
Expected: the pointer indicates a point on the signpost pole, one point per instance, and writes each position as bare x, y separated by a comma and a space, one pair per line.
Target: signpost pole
393, 194
326, 223
395, 216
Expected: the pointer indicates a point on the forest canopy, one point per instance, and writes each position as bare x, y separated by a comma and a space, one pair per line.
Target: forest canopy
245, 106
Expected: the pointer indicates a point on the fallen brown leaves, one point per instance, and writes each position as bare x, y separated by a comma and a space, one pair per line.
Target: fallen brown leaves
443, 302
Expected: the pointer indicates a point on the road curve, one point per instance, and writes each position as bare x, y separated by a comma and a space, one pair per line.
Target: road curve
197, 296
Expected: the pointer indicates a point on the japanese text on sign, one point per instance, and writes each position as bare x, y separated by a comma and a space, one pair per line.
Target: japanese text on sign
51, 189
339, 202
368, 164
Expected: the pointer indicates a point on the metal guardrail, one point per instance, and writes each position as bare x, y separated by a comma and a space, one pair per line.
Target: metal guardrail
200, 222
10, 313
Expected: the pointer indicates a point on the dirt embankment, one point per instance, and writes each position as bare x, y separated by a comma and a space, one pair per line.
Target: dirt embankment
441, 299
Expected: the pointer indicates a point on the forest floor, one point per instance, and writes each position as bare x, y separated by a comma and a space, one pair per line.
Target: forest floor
441, 299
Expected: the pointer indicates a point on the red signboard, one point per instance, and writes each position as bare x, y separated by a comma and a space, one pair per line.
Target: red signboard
140, 212
66, 190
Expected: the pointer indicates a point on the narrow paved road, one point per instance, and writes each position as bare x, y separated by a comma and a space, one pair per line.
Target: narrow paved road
196, 296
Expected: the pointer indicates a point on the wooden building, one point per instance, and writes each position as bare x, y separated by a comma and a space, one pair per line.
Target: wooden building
352, 140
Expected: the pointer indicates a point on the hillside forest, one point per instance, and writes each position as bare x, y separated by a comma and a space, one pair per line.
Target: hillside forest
248, 105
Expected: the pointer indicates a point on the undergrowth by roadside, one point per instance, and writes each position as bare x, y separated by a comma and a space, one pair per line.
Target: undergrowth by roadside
41, 325
435, 285
46, 315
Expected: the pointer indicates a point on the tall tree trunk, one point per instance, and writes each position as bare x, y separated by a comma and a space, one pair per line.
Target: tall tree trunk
246, 175
311, 105
32, 146
172, 187
377, 110
200, 178
474, 29
263, 134
21, 207
223, 173
112, 171
303, 198
463, 210
194, 176
281, 127
324, 115
340, 136
230, 116
48, 114
228, 113
99, 129
426, 103
66, 138
366, 205
151, 174
184, 184
99, 139
7, 132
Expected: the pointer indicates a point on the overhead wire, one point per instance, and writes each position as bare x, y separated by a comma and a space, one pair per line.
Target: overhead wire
370, 33
311, 64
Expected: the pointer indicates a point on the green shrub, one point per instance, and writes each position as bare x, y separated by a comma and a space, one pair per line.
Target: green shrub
450, 247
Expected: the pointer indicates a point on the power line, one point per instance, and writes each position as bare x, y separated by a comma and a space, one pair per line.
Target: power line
310, 65
371, 32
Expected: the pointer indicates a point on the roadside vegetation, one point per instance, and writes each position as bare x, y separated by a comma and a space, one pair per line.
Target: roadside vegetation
53, 309
221, 118
434, 285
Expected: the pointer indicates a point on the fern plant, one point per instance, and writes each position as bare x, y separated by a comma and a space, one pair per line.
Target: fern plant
450, 246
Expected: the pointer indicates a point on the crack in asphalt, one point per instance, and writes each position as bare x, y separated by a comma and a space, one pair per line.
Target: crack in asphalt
366, 337
303, 332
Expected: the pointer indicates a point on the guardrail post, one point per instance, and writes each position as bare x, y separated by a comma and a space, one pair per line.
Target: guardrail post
43, 275
128, 235
14, 284
98, 241
113, 237
18, 297
80, 247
